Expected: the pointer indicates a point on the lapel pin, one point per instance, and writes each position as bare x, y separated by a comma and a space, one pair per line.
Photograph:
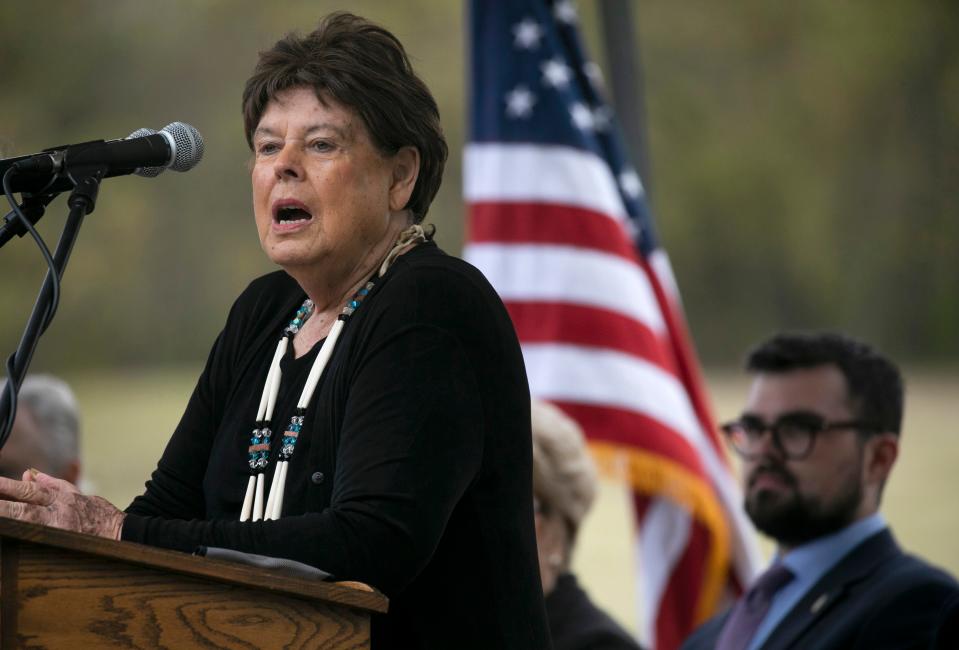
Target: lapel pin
819, 603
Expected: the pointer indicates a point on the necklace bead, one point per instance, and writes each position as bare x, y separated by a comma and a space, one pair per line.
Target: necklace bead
260, 441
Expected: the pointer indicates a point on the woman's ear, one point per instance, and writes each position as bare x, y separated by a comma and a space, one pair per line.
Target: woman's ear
406, 169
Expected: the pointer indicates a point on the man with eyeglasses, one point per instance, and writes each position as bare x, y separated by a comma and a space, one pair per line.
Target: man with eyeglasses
818, 439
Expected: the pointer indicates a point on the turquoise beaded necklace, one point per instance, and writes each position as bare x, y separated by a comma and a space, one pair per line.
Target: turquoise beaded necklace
254, 508
260, 441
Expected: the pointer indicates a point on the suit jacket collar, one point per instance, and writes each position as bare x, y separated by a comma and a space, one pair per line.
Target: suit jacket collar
857, 565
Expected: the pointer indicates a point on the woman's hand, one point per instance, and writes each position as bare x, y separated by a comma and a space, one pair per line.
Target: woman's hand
42, 499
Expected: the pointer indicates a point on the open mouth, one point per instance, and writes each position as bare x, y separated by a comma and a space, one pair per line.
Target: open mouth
290, 213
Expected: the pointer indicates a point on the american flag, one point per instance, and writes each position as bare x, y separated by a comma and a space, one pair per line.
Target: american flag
559, 223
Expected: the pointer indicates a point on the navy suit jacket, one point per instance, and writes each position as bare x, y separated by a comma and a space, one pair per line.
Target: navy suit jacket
875, 597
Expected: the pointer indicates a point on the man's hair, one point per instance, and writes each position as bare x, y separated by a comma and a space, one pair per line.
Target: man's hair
363, 67
873, 381
53, 407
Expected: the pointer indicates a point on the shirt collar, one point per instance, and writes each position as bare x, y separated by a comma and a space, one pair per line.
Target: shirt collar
813, 559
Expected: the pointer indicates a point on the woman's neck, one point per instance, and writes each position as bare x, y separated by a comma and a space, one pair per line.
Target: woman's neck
330, 285
331, 288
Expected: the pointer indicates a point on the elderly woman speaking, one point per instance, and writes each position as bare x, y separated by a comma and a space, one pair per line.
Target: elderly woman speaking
364, 410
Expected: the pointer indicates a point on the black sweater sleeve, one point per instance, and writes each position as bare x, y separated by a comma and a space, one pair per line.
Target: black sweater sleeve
175, 489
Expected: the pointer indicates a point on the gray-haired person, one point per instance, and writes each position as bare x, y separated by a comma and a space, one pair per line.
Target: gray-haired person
46, 432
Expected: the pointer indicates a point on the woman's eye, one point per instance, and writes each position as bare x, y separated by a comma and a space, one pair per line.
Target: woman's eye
266, 148
322, 146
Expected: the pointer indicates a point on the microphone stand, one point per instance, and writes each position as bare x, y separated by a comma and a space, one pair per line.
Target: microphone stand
82, 201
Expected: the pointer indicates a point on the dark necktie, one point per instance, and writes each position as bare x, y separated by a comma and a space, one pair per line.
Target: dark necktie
751, 609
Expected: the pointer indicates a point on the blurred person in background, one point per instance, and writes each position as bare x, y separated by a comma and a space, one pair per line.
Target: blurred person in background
818, 439
46, 432
365, 410
564, 486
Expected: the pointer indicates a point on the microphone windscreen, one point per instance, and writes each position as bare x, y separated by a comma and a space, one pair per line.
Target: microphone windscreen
188, 145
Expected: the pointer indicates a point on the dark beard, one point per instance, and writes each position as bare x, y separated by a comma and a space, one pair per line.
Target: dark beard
795, 520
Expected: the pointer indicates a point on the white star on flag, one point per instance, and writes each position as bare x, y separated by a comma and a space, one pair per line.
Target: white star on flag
526, 34
633, 229
582, 116
519, 102
593, 73
565, 12
602, 117
629, 181
556, 73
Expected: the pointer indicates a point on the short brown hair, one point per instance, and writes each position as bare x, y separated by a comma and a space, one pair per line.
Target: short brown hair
363, 67
873, 381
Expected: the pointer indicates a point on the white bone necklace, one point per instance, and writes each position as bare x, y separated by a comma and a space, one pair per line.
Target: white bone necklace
260, 442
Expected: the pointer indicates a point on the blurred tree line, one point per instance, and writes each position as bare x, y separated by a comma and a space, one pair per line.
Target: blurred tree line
804, 163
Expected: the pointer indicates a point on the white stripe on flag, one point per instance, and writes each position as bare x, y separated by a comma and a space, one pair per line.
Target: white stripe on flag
659, 262
747, 557
663, 536
744, 546
548, 273
542, 174
587, 375
605, 377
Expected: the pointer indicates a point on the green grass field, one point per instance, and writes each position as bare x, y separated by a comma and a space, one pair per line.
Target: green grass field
128, 417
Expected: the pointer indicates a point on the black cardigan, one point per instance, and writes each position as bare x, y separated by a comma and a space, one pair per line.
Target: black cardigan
412, 471
575, 623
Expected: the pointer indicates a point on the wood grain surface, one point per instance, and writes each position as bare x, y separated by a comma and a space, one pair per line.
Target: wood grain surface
341, 593
64, 590
67, 601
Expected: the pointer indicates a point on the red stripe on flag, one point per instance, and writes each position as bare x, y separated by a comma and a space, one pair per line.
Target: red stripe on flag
550, 322
542, 223
685, 359
608, 424
677, 615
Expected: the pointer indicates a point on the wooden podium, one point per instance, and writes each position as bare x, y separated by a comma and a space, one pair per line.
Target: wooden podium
64, 590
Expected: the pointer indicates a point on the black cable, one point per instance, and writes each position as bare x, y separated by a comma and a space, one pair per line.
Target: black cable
12, 390
42, 245
12, 386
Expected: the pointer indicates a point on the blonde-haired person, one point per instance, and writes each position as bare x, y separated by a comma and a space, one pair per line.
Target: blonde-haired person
564, 487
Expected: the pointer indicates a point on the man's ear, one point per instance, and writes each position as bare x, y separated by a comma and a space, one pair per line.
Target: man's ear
406, 169
882, 452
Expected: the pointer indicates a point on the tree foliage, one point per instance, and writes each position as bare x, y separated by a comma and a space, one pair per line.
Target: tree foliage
804, 161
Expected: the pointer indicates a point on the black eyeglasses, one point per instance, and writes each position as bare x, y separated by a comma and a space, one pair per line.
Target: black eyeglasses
794, 434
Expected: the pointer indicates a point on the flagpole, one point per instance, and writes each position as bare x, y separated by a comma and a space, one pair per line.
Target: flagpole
626, 82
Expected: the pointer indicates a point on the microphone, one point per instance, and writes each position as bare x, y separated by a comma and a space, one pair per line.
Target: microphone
145, 152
